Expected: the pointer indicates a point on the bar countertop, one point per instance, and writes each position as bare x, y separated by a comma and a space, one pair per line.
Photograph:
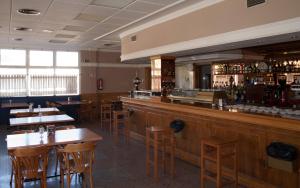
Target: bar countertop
271, 121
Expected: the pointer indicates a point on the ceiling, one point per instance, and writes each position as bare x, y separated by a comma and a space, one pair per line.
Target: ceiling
76, 23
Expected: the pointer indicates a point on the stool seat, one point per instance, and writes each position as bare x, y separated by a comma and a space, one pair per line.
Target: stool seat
215, 141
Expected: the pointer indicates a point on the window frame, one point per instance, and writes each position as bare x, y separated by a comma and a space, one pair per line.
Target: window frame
27, 66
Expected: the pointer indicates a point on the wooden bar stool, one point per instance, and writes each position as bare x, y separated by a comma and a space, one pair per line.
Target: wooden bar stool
162, 138
215, 151
120, 118
106, 115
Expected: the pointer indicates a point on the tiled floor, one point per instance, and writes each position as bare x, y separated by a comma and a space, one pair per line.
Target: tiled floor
116, 166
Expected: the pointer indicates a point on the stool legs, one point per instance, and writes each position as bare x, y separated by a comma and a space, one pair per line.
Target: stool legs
160, 141
217, 146
148, 153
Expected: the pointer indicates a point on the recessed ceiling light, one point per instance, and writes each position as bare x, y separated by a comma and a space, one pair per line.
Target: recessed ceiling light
28, 11
23, 29
17, 39
47, 30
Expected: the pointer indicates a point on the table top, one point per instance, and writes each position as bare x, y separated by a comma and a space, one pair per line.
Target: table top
15, 105
66, 103
36, 110
70, 136
40, 120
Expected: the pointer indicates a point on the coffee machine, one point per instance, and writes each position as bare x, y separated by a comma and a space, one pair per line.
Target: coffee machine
295, 90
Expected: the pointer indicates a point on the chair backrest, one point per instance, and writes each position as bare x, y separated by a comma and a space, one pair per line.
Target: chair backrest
27, 161
52, 113
26, 114
82, 155
65, 127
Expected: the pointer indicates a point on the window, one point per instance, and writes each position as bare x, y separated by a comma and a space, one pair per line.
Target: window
67, 59
40, 58
13, 82
41, 76
156, 74
13, 57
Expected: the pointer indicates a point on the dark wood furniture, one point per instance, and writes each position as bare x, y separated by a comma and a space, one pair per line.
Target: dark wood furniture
77, 159
40, 120
120, 121
162, 140
214, 151
254, 133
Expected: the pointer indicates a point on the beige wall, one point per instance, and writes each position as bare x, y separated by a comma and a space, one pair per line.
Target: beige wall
229, 15
115, 79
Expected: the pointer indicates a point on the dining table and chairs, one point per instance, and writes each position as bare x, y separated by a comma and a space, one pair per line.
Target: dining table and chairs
30, 148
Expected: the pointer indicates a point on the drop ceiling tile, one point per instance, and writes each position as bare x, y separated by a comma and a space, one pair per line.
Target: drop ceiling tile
144, 7
74, 28
84, 2
88, 17
131, 15
64, 36
103, 12
118, 21
160, 2
112, 3
65, 6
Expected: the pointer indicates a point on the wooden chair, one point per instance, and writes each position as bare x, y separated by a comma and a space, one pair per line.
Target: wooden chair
26, 114
51, 113
86, 110
162, 138
120, 118
106, 115
12, 167
216, 150
77, 159
30, 163
58, 128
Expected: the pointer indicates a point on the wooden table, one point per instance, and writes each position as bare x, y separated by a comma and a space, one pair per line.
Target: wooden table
35, 110
40, 120
69, 103
70, 136
14, 105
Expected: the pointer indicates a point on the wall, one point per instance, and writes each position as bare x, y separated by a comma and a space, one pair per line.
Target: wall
116, 76
119, 79
224, 17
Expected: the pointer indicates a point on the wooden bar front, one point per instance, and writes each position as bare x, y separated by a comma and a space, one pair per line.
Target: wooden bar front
254, 134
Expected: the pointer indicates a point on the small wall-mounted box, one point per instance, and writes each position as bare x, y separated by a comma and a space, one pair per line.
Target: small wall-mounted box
289, 166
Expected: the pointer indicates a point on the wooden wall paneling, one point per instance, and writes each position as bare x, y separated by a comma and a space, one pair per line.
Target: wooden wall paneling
275, 175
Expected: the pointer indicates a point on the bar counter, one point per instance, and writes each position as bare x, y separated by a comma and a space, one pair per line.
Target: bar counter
254, 133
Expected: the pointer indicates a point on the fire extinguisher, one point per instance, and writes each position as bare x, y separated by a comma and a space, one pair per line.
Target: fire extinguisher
100, 84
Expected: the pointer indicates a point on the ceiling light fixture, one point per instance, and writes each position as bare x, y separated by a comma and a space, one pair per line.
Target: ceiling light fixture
47, 30
26, 11
23, 29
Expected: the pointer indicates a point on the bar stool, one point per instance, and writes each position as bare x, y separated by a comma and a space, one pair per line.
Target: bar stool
216, 150
120, 118
106, 115
163, 138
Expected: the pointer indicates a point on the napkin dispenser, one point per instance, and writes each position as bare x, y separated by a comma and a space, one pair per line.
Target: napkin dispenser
31, 107
282, 156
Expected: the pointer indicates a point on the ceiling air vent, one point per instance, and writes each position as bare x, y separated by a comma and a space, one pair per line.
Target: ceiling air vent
58, 41
23, 29
133, 38
251, 3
